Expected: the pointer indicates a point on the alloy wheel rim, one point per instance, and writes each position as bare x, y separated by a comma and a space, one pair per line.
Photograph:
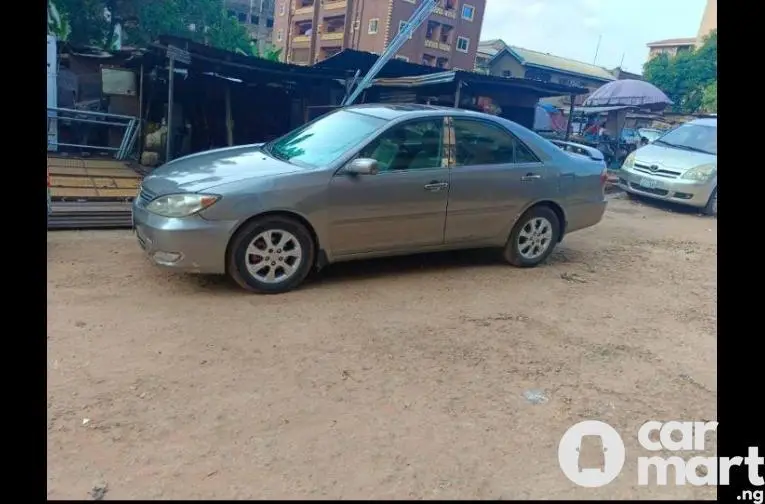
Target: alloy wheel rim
273, 256
535, 238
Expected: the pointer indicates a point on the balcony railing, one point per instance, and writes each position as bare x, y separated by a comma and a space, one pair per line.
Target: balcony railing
332, 36
432, 44
301, 38
450, 13
335, 5
304, 10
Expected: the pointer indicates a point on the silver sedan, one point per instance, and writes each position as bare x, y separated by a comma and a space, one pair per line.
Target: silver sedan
366, 181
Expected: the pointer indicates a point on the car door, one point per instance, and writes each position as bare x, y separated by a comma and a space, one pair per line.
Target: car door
403, 206
494, 177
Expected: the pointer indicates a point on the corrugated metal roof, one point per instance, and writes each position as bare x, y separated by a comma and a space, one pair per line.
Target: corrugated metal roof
673, 42
600, 110
528, 57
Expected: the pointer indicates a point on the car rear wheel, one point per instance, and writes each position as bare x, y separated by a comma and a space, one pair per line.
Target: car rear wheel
533, 238
271, 255
711, 206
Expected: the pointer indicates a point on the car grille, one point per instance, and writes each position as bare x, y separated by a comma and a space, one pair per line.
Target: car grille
657, 192
643, 168
145, 196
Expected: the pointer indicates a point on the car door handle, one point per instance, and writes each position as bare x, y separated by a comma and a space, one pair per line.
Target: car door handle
436, 186
530, 176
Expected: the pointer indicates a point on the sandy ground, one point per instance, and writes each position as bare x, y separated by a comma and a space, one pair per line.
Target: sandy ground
400, 378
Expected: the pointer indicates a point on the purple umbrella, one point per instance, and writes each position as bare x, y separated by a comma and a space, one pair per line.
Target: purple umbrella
628, 92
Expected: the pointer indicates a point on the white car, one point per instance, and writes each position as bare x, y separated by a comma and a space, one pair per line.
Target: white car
679, 166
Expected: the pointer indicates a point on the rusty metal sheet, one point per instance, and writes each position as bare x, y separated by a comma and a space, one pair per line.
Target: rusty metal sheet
104, 182
72, 192
116, 193
65, 181
127, 183
112, 172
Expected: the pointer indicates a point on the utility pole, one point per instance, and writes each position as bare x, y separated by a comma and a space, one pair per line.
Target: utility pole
418, 17
597, 48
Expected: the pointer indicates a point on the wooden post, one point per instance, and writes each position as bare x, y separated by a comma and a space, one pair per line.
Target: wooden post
140, 114
229, 120
457, 94
570, 118
169, 139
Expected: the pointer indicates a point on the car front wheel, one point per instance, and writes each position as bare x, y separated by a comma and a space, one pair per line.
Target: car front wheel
711, 207
271, 255
533, 238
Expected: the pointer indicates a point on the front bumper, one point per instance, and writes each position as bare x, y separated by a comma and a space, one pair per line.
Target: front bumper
686, 192
191, 244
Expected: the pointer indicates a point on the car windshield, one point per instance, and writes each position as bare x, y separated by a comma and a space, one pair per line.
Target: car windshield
692, 137
323, 141
650, 134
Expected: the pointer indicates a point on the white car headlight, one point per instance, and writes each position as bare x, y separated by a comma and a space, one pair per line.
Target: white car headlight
181, 205
701, 173
629, 161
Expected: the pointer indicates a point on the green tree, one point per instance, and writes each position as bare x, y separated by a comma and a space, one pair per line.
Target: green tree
709, 99
143, 21
685, 77
270, 53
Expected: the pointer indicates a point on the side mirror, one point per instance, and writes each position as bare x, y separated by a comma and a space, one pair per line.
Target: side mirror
362, 166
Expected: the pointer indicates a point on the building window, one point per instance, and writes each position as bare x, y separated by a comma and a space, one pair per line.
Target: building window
402, 58
410, 1
468, 12
463, 44
269, 23
374, 24
401, 25
279, 35
282, 8
356, 25
507, 73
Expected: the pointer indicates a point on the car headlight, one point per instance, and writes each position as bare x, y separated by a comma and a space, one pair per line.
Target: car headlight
629, 161
701, 173
181, 205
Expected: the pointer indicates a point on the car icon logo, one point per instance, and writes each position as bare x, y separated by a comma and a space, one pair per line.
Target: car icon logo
654, 168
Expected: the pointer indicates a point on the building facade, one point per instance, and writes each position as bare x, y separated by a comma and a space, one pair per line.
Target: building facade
309, 31
257, 16
708, 22
673, 47
495, 57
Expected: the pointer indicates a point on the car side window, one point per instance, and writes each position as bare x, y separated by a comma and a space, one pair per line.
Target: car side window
479, 143
413, 145
523, 154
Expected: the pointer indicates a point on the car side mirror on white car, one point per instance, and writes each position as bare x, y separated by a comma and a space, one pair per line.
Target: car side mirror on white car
362, 166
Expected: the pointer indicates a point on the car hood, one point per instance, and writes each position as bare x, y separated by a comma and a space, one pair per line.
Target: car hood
204, 170
677, 160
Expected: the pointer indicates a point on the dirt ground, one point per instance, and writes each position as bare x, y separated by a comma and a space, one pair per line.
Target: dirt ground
396, 378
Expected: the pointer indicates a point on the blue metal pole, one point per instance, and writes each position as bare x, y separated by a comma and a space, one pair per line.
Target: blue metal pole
418, 17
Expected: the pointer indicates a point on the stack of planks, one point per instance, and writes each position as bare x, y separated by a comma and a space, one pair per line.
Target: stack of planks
91, 193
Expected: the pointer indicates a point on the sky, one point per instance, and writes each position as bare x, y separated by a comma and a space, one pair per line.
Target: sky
571, 28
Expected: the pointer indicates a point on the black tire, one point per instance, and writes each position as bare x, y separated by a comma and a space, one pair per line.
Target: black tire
711, 207
238, 259
511, 252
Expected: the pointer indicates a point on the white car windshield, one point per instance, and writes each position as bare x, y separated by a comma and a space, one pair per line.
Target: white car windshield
323, 141
692, 137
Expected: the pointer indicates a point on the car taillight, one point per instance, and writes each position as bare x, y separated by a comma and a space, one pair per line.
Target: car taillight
603, 177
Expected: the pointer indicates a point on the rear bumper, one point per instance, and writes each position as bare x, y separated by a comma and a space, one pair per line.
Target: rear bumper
584, 215
190, 244
686, 192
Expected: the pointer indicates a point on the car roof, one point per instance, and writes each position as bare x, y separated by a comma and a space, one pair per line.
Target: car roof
390, 111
